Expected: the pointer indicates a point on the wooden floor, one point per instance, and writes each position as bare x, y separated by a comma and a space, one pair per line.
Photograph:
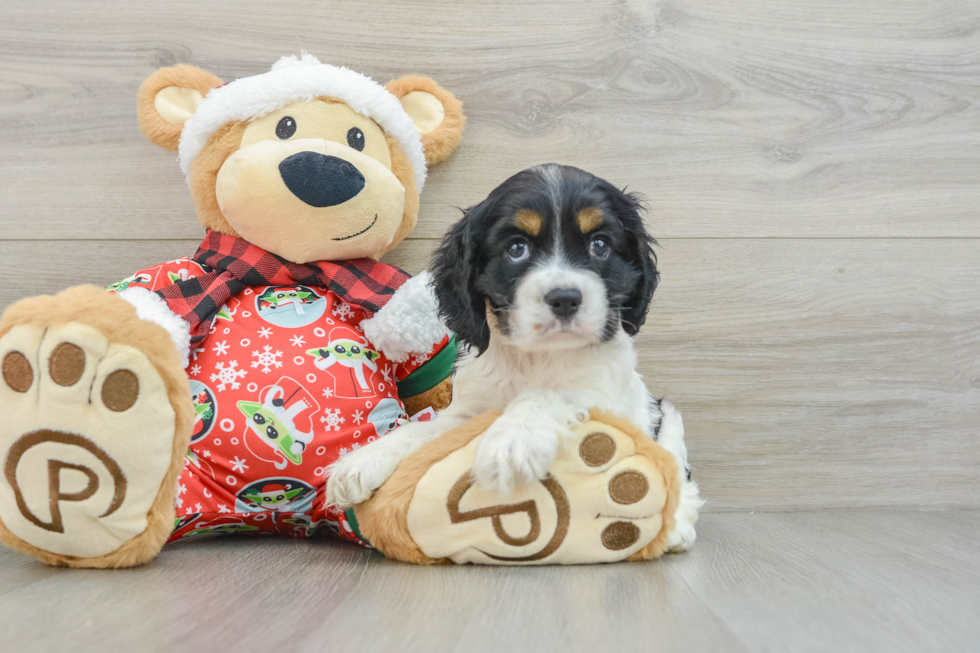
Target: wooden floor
817, 581
812, 171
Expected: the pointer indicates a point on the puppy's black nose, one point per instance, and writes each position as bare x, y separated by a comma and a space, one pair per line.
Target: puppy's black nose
321, 180
564, 302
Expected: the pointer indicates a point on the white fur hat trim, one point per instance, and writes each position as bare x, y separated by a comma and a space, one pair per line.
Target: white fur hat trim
291, 80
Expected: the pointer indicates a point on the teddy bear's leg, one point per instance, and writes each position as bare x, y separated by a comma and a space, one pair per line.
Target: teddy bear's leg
611, 495
96, 421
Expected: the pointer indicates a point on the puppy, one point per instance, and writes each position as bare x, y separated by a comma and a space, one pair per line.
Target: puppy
544, 282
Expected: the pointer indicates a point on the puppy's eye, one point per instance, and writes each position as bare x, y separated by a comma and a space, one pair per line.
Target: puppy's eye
599, 248
286, 128
355, 138
518, 251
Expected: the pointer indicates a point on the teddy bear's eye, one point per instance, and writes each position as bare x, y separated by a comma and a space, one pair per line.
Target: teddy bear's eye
287, 127
355, 138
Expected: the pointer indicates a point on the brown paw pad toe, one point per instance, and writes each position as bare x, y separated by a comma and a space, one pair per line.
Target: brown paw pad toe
120, 390
66, 364
628, 487
17, 372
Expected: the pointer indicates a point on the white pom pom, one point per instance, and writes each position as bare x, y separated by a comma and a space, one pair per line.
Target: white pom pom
305, 59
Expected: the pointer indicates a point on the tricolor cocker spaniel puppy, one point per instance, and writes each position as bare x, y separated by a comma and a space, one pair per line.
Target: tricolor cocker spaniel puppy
544, 282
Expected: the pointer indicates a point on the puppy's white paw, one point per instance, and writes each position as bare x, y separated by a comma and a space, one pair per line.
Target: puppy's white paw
355, 477
512, 453
684, 534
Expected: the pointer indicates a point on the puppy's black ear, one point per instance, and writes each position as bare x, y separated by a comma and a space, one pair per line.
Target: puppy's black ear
629, 209
455, 267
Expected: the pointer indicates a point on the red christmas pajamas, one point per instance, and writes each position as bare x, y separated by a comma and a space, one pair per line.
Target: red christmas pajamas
284, 384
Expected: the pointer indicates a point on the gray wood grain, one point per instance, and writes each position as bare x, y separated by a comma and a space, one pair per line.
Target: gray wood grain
818, 581
759, 118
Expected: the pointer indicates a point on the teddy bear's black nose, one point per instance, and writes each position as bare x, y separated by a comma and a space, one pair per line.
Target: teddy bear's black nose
321, 180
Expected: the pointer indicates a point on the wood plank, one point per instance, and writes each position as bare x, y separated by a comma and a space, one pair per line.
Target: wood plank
811, 373
756, 118
835, 580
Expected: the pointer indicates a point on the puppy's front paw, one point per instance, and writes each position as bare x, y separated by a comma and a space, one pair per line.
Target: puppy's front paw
353, 478
512, 453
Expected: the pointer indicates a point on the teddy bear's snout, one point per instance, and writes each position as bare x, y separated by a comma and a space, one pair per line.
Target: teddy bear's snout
321, 180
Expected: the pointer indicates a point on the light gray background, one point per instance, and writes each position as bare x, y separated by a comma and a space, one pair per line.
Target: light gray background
812, 174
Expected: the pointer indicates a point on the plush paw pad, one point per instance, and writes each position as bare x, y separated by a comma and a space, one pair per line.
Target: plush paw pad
603, 501
85, 442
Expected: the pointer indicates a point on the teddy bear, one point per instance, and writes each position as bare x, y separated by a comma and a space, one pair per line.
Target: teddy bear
210, 394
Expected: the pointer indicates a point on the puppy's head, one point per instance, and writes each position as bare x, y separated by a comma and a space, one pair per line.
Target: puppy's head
553, 258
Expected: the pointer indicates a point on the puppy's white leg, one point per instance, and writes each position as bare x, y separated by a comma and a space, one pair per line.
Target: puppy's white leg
522, 444
671, 438
354, 477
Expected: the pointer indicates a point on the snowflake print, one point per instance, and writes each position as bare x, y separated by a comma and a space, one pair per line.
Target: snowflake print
190, 511
355, 446
227, 375
197, 507
267, 359
332, 419
343, 451
265, 332
419, 359
386, 373
297, 341
328, 392
358, 417
223, 508
342, 311
238, 465
195, 370
178, 502
221, 347
195, 352
182, 490
207, 453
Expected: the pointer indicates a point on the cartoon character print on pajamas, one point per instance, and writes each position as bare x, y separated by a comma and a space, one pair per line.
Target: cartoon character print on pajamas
284, 385
345, 357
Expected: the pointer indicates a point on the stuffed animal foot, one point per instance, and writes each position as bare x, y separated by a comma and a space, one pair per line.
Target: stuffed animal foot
97, 418
611, 495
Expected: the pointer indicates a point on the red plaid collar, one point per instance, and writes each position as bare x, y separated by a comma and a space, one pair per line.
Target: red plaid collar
232, 264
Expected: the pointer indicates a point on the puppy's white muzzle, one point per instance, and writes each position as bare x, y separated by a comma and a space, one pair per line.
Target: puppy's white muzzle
557, 306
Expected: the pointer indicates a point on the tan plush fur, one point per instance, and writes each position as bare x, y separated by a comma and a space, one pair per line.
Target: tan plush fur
383, 519
437, 397
117, 320
440, 142
403, 170
204, 174
160, 132
224, 142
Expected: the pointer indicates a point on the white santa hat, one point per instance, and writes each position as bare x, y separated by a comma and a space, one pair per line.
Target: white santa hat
293, 79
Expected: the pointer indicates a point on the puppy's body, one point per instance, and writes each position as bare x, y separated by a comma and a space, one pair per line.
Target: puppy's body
545, 282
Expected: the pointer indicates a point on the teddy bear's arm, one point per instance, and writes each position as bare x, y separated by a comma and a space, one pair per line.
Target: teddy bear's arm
140, 291
409, 323
152, 308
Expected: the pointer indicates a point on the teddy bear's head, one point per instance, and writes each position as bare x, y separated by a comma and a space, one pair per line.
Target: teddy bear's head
308, 161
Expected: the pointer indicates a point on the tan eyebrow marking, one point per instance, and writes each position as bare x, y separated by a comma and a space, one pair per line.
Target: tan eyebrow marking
589, 218
528, 221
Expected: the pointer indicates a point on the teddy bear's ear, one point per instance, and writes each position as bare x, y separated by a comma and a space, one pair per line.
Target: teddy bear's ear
168, 98
436, 113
